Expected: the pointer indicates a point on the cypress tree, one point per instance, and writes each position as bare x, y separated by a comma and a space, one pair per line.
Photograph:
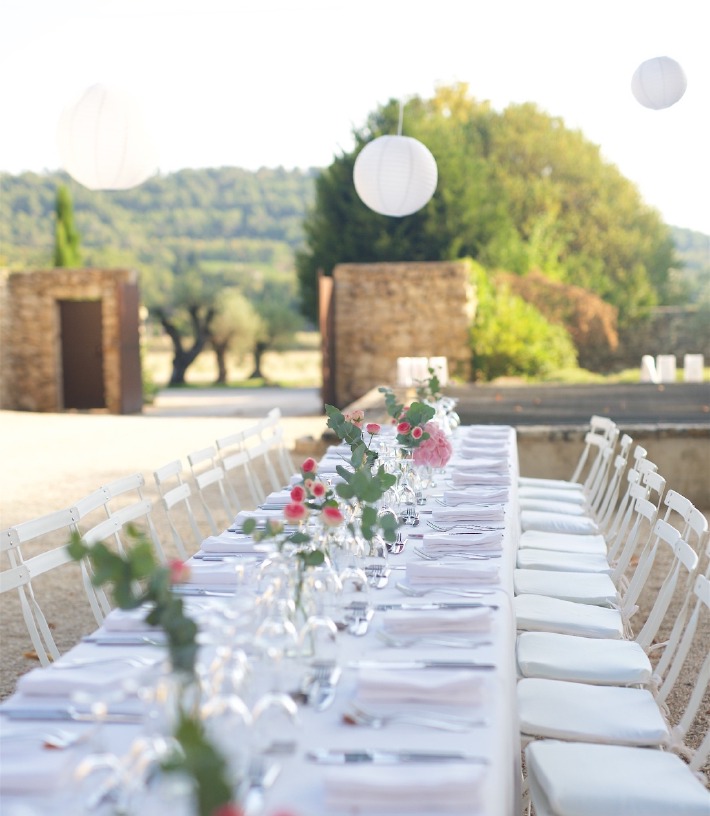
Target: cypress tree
66, 237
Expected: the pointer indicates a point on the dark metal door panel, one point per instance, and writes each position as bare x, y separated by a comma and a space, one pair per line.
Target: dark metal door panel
131, 377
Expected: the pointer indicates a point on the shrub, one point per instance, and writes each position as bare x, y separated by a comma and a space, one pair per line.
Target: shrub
512, 338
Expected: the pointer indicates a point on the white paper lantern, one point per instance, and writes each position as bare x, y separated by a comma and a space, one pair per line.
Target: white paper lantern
658, 83
103, 141
395, 175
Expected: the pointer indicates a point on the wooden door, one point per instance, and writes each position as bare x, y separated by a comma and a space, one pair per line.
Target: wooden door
81, 328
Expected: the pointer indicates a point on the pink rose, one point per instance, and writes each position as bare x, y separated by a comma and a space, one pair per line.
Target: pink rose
417, 432
373, 428
356, 417
403, 428
295, 511
309, 466
331, 516
436, 450
298, 493
179, 572
318, 489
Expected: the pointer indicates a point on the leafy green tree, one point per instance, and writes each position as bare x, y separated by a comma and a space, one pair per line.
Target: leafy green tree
517, 190
233, 330
279, 321
66, 237
186, 313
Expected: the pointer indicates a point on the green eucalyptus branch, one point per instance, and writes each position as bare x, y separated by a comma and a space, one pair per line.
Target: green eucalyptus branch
135, 579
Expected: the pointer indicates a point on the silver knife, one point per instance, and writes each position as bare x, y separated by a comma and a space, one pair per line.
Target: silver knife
125, 640
435, 605
47, 714
329, 757
420, 664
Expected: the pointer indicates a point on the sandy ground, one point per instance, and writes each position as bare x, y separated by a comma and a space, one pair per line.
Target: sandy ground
51, 460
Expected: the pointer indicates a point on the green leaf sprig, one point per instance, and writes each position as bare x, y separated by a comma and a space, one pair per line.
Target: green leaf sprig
135, 579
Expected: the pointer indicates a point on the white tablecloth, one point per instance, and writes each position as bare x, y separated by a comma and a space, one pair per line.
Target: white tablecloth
300, 786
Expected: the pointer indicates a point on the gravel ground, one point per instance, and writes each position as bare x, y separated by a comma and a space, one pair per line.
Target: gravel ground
52, 460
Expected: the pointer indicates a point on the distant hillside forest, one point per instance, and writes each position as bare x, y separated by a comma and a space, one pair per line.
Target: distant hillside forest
238, 223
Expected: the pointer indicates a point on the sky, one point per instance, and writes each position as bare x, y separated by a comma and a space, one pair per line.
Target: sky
252, 83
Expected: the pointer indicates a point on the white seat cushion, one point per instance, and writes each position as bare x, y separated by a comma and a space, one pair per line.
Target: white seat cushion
562, 561
556, 484
557, 522
564, 542
581, 587
581, 711
552, 494
552, 506
537, 613
582, 660
578, 779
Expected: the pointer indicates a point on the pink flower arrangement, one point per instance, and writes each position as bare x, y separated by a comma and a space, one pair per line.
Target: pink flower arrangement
373, 428
309, 466
436, 450
403, 428
318, 489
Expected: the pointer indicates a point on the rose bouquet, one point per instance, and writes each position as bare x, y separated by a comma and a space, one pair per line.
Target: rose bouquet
435, 451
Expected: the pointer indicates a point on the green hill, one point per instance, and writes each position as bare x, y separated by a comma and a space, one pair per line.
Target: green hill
238, 222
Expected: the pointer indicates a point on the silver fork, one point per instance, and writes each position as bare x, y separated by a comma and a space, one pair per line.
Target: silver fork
470, 526
462, 555
358, 716
460, 593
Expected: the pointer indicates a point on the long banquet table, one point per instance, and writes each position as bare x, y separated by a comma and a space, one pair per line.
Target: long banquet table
32, 776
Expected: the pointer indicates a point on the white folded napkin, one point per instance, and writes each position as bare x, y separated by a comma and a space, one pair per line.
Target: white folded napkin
435, 573
261, 516
405, 788
487, 432
416, 686
436, 543
484, 464
128, 620
230, 543
466, 478
436, 621
279, 498
27, 768
210, 574
94, 678
476, 493
469, 512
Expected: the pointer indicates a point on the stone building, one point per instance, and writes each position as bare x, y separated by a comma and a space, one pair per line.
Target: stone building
69, 339
371, 314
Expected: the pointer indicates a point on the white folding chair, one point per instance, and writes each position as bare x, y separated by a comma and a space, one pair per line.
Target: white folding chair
586, 779
559, 709
273, 432
259, 449
238, 471
599, 426
210, 480
23, 570
175, 495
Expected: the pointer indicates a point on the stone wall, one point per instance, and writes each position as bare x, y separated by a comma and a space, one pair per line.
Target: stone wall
388, 310
675, 330
30, 374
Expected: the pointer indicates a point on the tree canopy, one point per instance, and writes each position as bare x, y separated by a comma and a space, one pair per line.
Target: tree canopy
517, 191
